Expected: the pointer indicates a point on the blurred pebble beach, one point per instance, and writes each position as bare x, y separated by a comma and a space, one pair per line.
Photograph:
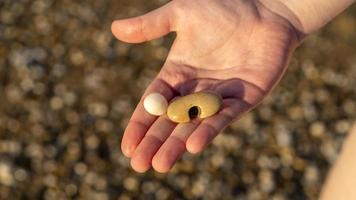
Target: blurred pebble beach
68, 87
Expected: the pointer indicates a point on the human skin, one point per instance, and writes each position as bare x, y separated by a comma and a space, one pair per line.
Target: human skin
341, 182
307, 16
236, 48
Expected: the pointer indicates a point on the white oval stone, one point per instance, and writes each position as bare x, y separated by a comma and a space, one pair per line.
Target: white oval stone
155, 104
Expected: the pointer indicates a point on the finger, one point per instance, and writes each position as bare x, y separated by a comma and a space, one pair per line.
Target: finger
210, 127
143, 28
174, 147
141, 121
155, 136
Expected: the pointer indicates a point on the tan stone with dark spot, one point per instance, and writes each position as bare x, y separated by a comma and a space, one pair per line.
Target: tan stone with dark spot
200, 104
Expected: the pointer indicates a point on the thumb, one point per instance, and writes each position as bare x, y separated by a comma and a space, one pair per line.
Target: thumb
147, 27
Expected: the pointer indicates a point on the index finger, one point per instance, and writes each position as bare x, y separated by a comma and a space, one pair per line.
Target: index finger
140, 120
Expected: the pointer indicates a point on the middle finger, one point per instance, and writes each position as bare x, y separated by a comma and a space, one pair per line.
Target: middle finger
156, 135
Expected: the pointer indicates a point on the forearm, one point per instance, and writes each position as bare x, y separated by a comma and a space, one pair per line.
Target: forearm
307, 15
342, 179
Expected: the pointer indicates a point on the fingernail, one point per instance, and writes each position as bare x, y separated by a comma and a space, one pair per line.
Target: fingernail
127, 151
193, 149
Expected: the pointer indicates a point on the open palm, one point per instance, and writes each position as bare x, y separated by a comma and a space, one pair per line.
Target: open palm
236, 48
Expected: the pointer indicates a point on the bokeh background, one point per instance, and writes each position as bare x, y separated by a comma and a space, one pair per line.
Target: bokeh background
67, 89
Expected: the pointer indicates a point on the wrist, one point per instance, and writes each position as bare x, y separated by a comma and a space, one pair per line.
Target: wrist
307, 16
287, 21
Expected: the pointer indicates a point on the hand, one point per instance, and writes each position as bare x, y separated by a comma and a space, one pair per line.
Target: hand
236, 48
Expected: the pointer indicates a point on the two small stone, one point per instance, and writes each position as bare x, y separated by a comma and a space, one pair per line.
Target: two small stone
184, 109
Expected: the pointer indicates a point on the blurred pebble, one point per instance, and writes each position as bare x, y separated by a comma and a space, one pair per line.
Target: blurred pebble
329, 150
311, 175
104, 126
217, 159
98, 109
80, 169
71, 189
199, 186
10, 147
283, 136
342, 126
92, 142
20, 175
266, 181
6, 177
131, 184
56, 103
162, 194
317, 129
